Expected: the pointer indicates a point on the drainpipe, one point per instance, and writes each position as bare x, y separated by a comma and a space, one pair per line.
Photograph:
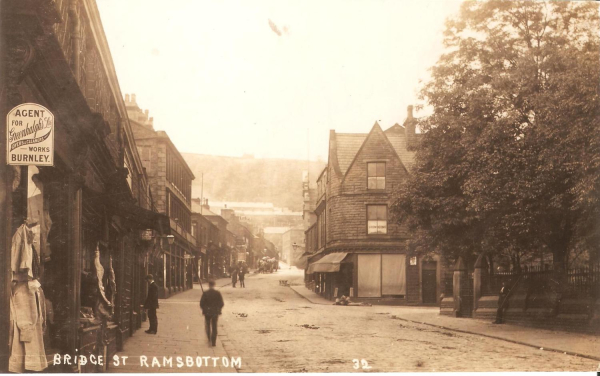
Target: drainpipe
75, 39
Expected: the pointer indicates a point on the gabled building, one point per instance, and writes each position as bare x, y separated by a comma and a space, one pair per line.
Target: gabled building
359, 251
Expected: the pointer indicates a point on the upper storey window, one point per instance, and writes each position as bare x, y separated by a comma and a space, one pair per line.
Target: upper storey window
376, 175
376, 219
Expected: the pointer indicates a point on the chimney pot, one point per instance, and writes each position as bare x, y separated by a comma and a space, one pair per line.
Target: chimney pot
409, 112
133, 98
126, 97
146, 112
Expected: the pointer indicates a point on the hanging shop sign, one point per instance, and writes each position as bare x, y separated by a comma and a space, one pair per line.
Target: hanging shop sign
30, 135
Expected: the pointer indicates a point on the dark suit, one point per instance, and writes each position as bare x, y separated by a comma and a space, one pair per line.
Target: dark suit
151, 305
211, 304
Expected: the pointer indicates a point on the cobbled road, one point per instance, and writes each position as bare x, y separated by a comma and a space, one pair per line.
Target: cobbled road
274, 329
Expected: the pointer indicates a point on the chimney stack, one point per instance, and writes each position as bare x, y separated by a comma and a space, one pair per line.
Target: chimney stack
409, 128
133, 99
126, 98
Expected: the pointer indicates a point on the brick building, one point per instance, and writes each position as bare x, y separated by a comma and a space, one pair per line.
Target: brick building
357, 250
170, 181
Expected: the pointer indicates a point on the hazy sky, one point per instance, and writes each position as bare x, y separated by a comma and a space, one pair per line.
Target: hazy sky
255, 77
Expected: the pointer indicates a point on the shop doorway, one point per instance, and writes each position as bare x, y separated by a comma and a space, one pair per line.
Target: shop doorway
429, 282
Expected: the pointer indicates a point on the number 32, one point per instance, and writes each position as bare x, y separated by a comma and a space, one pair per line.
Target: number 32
362, 362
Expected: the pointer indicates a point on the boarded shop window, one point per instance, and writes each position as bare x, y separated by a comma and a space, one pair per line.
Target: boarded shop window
376, 219
369, 276
376, 175
381, 275
393, 274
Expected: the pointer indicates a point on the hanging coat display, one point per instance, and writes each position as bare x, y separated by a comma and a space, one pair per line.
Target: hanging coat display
27, 307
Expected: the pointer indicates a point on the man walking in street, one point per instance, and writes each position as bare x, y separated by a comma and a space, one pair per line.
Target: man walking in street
234, 275
241, 274
151, 304
211, 304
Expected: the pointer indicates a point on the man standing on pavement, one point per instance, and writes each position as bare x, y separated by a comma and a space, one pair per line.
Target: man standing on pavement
501, 301
211, 304
151, 304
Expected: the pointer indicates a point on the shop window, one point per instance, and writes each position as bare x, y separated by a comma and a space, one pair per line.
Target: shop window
376, 175
376, 219
393, 274
369, 276
38, 217
381, 275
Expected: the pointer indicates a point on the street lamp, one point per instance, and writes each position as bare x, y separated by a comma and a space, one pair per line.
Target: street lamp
295, 246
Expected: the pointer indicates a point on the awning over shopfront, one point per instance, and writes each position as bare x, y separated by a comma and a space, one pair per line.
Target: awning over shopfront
144, 218
327, 264
128, 210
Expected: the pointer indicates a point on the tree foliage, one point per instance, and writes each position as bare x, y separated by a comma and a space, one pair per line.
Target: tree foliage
508, 162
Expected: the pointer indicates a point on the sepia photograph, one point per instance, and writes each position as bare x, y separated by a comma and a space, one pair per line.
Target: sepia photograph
299, 186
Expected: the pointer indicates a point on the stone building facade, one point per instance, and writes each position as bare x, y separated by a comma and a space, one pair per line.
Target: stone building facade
90, 207
359, 251
170, 180
221, 247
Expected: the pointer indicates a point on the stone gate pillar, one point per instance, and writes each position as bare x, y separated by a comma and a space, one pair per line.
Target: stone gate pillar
477, 280
460, 271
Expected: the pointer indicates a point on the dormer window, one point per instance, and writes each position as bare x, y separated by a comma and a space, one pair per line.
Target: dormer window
376, 175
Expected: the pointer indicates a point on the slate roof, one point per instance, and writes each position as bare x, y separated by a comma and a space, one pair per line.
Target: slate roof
397, 138
197, 208
348, 145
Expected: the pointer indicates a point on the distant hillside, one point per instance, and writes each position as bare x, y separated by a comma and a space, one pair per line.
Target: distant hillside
251, 179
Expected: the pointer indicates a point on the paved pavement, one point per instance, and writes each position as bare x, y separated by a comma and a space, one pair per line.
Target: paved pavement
550, 340
180, 334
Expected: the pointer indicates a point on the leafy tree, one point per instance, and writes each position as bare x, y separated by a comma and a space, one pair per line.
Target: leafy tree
509, 160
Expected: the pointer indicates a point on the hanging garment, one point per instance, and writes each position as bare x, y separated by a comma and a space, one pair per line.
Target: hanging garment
22, 254
27, 320
37, 213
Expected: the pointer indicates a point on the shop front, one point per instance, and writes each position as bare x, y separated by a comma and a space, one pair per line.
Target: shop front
374, 277
331, 275
70, 244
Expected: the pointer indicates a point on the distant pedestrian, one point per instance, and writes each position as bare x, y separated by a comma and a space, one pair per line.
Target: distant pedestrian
241, 275
234, 275
211, 304
501, 302
151, 304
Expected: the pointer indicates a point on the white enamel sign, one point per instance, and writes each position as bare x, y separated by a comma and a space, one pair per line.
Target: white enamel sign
30, 135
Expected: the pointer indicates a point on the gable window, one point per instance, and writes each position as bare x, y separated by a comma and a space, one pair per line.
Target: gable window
376, 175
376, 219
